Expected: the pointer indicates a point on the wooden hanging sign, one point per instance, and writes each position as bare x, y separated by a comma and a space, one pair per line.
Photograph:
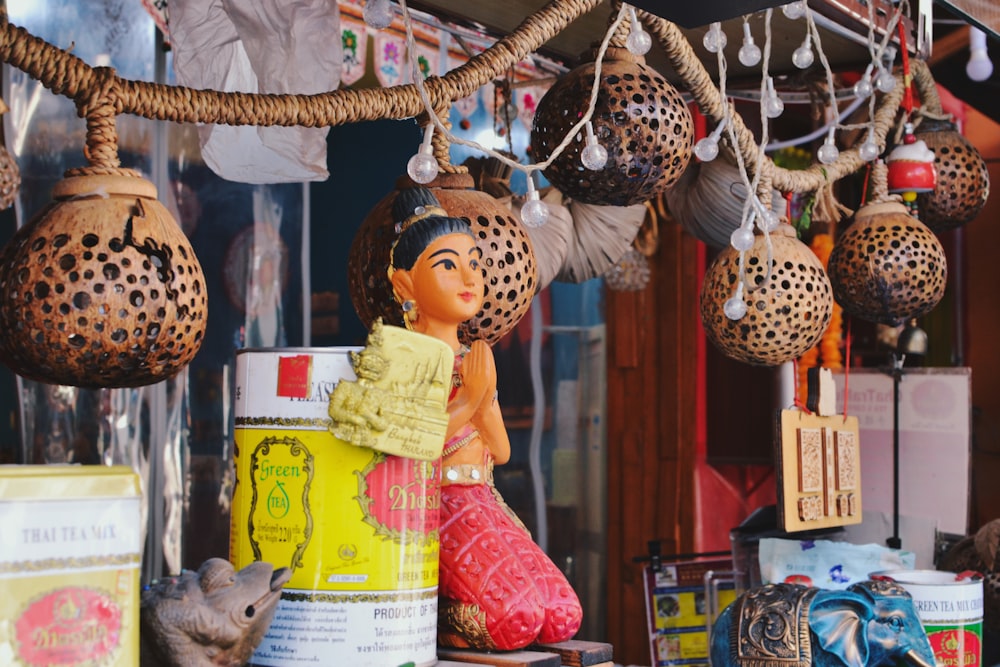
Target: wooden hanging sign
819, 468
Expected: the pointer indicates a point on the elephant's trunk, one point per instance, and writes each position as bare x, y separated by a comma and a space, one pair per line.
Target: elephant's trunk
915, 659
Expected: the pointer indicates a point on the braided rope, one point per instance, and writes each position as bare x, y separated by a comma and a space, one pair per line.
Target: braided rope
67, 75
880, 184
690, 69
100, 95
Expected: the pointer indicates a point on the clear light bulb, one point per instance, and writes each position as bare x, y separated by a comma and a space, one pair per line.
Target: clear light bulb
768, 220
863, 88
773, 106
868, 151
735, 308
638, 41
979, 67
742, 239
593, 156
794, 10
423, 166
749, 54
828, 152
715, 39
378, 14
707, 148
885, 81
535, 212
803, 56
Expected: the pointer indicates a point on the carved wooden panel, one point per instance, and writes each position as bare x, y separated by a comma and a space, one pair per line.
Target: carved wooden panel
819, 472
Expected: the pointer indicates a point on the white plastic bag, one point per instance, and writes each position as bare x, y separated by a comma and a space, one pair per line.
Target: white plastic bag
826, 564
265, 46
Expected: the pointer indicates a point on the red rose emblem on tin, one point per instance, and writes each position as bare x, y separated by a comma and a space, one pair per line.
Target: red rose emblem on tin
69, 626
956, 648
401, 497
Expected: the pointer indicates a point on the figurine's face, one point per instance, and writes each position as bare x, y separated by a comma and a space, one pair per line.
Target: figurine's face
447, 279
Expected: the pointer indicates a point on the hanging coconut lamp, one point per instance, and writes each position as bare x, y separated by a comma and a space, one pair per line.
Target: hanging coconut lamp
788, 303
101, 288
887, 266
639, 118
508, 259
963, 181
10, 174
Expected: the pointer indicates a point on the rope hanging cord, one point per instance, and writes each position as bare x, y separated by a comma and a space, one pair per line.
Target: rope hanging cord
687, 65
67, 75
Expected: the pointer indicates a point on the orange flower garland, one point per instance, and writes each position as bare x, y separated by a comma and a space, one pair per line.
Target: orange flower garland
827, 352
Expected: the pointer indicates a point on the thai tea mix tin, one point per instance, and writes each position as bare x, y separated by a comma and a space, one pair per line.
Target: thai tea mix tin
950, 607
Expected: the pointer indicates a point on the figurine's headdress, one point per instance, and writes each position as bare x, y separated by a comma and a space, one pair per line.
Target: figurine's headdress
414, 204
419, 220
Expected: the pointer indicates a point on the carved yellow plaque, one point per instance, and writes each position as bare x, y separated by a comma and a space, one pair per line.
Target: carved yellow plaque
819, 471
398, 404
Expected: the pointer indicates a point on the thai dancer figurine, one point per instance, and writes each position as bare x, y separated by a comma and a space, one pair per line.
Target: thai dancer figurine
497, 589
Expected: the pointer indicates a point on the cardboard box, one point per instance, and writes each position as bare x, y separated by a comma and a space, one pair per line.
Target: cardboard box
70, 551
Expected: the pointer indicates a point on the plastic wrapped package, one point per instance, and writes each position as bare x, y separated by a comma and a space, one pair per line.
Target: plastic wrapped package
259, 46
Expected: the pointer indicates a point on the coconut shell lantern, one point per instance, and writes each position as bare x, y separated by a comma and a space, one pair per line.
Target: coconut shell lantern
101, 288
963, 181
887, 266
508, 259
788, 304
639, 118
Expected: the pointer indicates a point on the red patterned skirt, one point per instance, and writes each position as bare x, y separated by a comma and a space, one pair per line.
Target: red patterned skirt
495, 578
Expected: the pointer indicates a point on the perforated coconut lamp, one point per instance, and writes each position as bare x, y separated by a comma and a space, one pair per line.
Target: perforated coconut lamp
10, 174
101, 288
100, 95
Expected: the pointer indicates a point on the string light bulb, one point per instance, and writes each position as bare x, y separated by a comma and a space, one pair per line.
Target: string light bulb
773, 105
638, 41
803, 56
735, 307
378, 14
593, 156
749, 54
742, 238
863, 88
794, 10
707, 148
828, 152
979, 67
423, 166
884, 80
715, 39
767, 220
868, 150
535, 212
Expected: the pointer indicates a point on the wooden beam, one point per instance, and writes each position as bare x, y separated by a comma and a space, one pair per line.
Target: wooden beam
948, 45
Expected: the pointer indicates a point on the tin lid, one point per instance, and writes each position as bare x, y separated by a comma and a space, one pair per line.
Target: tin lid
67, 481
927, 577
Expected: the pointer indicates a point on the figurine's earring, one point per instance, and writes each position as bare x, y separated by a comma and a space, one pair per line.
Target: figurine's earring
409, 313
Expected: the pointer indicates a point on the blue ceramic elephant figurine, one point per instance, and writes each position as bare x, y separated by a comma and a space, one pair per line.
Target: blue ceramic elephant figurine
786, 625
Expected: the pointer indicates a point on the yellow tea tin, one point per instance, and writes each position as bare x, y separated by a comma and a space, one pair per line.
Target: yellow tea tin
358, 528
70, 549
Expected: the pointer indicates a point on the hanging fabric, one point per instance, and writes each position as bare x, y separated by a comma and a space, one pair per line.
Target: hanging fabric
259, 46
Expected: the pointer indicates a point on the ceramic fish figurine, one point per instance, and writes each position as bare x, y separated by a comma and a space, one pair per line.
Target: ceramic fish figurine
214, 617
